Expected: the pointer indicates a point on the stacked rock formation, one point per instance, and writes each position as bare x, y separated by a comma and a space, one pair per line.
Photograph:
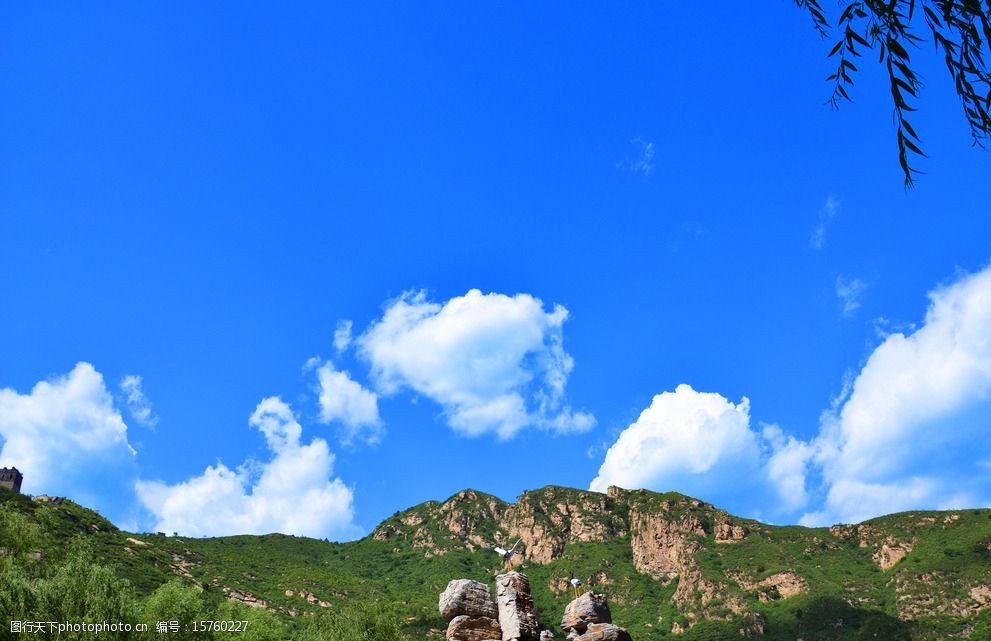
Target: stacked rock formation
517, 615
587, 618
471, 613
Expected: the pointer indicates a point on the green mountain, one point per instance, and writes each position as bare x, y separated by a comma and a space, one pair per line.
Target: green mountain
672, 566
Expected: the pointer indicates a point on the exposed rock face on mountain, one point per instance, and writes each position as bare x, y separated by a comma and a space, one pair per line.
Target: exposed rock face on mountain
517, 616
545, 520
586, 609
782, 585
886, 549
548, 520
662, 547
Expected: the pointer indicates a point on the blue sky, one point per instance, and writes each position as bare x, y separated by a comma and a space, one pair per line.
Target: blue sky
570, 241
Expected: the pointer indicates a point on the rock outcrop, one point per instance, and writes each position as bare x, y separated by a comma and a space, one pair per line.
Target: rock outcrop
247, 599
663, 547
549, 519
517, 616
467, 597
887, 551
465, 602
473, 628
587, 618
727, 532
604, 632
782, 585
468, 607
586, 609
890, 553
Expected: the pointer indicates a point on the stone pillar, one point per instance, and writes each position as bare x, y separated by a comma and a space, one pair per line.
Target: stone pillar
517, 617
470, 610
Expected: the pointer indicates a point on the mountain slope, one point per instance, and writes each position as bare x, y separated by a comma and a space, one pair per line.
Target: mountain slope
668, 563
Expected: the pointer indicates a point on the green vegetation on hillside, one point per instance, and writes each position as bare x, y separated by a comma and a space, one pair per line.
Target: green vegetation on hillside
666, 561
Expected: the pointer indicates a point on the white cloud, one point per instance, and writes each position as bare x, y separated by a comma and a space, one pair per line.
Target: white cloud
342, 335
849, 292
495, 363
292, 492
914, 428
829, 210
343, 399
694, 442
68, 439
910, 430
137, 403
787, 467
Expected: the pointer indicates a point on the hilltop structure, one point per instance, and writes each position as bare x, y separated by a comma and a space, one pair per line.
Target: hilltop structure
10, 479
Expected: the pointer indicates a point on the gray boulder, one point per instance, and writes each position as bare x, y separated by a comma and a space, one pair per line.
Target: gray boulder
586, 609
467, 597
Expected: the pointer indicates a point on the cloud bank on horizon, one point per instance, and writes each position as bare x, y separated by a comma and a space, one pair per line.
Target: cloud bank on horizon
68, 437
495, 364
292, 492
909, 431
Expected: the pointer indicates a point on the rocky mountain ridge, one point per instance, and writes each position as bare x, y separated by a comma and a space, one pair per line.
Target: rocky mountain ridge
670, 564
685, 543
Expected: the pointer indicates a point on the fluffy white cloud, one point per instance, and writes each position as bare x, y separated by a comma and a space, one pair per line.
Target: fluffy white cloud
910, 430
495, 363
137, 403
346, 401
694, 442
702, 444
67, 438
914, 428
292, 492
849, 292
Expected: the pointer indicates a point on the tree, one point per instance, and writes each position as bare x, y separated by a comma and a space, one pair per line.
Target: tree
352, 622
19, 536
83, 591
262, 625
177, 602
961, 31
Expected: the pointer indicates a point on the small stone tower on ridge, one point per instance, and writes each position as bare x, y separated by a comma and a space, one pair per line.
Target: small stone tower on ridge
10, 479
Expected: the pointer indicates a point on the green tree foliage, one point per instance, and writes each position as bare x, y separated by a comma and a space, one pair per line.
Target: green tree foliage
18, 600
174, 601
82, 591
19, 536
262, 624
355, 622
961, 32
